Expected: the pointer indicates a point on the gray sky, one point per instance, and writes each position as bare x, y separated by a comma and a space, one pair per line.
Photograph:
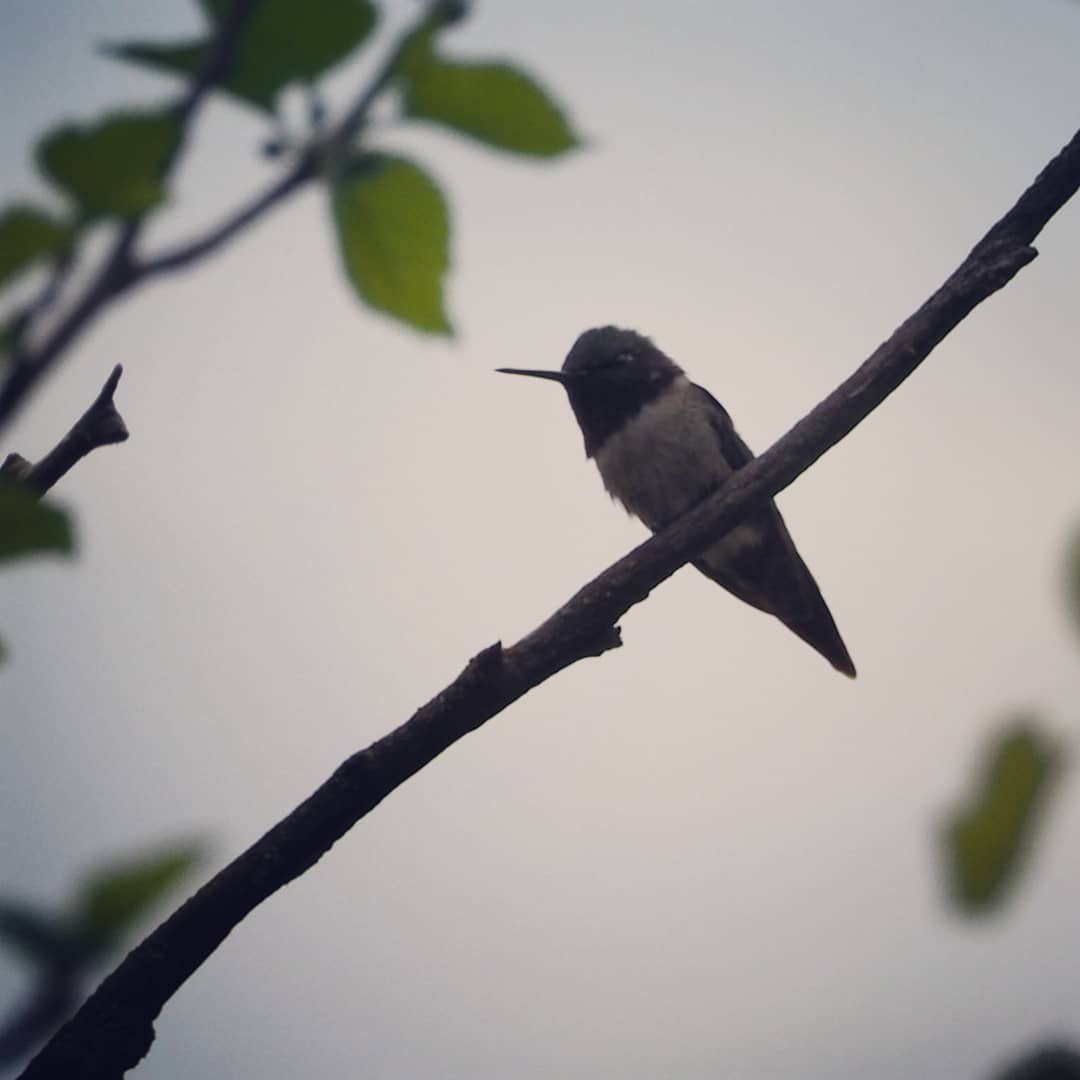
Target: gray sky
705, 854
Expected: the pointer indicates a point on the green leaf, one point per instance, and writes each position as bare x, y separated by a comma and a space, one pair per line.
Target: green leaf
26, 236
7, 338
986, 841
36, 936
183, 58
29, 526
494, 102
1072, 578
393, 229
112, 168
282, 44
113, 898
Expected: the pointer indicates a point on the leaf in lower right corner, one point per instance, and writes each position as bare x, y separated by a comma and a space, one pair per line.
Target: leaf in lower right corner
29, 526
1072, 578
986, 841
393, 230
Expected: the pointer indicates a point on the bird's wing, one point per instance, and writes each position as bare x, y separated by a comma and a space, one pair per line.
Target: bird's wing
768, 571
736, 452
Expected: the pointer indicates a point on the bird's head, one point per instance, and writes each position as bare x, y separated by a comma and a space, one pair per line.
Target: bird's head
610, 375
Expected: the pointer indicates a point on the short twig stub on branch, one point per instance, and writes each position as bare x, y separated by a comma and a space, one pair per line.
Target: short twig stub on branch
100, 425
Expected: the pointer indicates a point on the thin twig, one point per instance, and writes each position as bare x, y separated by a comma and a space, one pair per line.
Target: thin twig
219, 62
100, 425
28, 365
191, 251
25, 318
114, 1028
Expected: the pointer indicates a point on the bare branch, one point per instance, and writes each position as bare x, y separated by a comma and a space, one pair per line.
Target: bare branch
100, 425
192, 251
114, 1028
23, 320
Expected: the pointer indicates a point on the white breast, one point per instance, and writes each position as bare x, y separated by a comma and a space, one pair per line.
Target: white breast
666, 459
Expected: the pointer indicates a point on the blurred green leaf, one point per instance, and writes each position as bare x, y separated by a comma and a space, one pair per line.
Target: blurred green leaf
27, 235
493, 102
1072, 577
7, 338
985, 841
29, 526
111, 168
285, 42
113, 898
38, 937
393, 228
185, 59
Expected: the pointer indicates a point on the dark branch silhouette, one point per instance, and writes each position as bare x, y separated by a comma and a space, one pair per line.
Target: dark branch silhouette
114, 1028
100, 425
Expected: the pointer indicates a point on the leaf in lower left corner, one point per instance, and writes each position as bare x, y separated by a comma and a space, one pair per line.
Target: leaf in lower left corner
29, 526
113, 897
35, 934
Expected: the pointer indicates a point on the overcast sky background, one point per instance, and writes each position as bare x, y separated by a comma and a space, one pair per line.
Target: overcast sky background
705, 854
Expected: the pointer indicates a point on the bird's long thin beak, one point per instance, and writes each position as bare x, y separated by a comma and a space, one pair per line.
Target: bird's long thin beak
557, 376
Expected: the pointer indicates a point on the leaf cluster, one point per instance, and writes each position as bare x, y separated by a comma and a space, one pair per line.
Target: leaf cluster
390, 217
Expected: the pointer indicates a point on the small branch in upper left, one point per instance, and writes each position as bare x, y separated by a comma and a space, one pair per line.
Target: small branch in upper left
100, 425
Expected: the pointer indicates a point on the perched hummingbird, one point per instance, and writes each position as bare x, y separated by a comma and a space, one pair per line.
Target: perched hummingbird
662, 444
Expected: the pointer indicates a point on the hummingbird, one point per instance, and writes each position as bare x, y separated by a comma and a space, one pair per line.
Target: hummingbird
662, 444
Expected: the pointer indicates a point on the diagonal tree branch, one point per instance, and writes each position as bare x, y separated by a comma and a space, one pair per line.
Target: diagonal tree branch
114, 1028
100, 425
